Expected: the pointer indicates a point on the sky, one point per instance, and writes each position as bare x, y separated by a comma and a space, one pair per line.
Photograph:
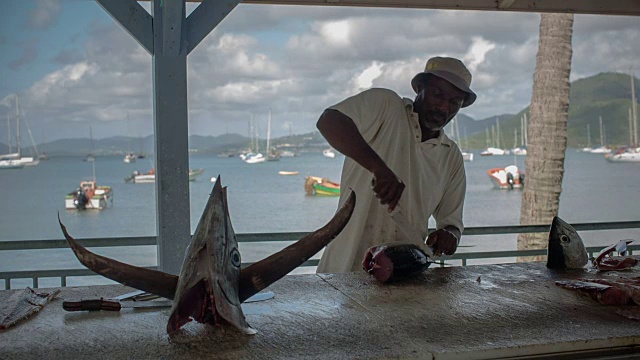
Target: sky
76, 71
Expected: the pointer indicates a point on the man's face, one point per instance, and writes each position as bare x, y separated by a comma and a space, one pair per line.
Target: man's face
437, 102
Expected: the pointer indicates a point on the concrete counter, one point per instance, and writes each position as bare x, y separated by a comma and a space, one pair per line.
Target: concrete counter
488, 311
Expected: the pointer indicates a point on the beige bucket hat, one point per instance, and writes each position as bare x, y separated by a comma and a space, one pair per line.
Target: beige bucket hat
450, 69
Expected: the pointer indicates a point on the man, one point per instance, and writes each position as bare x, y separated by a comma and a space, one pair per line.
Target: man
398, 155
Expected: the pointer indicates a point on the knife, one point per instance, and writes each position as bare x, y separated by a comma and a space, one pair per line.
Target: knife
410, 233
116, 305
111, 304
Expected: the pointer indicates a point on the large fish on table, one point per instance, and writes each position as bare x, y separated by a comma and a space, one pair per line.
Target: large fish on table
212, 285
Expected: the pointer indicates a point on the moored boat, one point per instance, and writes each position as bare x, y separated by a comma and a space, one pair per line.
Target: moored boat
628, 154
506, 178
130, 158
315, 185
89, 196
329, 153
150, 176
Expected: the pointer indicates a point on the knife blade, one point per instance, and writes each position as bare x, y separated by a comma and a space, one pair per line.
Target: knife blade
411, 233
111, 304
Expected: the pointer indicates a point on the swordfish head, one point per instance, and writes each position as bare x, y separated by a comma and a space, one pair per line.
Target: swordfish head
566, 249
210, 274
212, 285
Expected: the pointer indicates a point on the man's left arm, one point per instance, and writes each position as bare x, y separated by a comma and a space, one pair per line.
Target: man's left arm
448, 214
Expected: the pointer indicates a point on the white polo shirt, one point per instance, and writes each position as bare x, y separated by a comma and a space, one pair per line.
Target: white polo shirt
433, 173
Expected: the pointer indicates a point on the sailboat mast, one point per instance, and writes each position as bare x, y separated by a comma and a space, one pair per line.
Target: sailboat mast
526, 130
268, 134
498, 133
9, 132
17, 126
634, 110
601, 133
588, 135
631, 140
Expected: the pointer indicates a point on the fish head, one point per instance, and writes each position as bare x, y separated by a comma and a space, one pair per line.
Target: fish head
209, 280
566, 249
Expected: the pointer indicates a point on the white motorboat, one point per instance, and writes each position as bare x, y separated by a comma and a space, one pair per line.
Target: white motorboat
506, 178
329, 153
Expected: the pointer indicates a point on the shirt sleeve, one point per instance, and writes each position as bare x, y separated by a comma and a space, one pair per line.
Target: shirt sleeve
449, 210
368, 110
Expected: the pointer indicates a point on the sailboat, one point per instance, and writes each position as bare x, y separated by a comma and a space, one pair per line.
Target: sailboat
272, 155
602, 149
129, 157
253, 157
466, 155
588, 148
629, 153
494, 150
17, 160
522, 149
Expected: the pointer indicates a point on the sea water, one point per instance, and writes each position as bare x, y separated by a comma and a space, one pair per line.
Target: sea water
262, 201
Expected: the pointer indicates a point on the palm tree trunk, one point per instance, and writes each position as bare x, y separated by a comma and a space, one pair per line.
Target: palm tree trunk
547, 130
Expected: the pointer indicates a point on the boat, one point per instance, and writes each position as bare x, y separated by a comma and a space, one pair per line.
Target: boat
150, 176
254, 158
11, 164
455, 136
493, 151
627, 154
329, 153
602, 149
89, 196
315, 185
272, 154
15, 160
130, 158
506, 178
287, 173
287, 153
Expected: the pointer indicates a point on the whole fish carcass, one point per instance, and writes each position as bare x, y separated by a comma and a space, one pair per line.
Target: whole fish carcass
211, 285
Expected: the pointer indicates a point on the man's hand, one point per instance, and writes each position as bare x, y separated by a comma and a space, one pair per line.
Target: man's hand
388, 188
442, 241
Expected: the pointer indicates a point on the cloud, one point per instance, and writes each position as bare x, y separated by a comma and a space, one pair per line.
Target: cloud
297, 61
45, 14
67, 56
29, 53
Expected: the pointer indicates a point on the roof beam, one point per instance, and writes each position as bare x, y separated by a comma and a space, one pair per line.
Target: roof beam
600, 7
205, 18
133, 18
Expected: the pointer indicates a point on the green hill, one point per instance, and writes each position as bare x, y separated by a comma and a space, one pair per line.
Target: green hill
606, 95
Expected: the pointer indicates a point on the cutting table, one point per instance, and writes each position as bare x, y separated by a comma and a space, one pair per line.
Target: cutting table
473, 312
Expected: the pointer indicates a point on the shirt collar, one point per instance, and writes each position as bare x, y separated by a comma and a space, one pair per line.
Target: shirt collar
442, 138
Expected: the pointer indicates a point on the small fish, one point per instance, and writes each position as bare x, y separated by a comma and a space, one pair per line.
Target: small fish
566, 249
211, 285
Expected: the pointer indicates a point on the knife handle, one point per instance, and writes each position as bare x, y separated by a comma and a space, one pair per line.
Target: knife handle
91, 305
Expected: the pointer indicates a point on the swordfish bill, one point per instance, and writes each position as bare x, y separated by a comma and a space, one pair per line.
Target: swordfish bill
258, 276
211, 284
153, 281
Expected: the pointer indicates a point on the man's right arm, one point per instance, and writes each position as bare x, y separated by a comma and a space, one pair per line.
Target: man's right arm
343, 135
